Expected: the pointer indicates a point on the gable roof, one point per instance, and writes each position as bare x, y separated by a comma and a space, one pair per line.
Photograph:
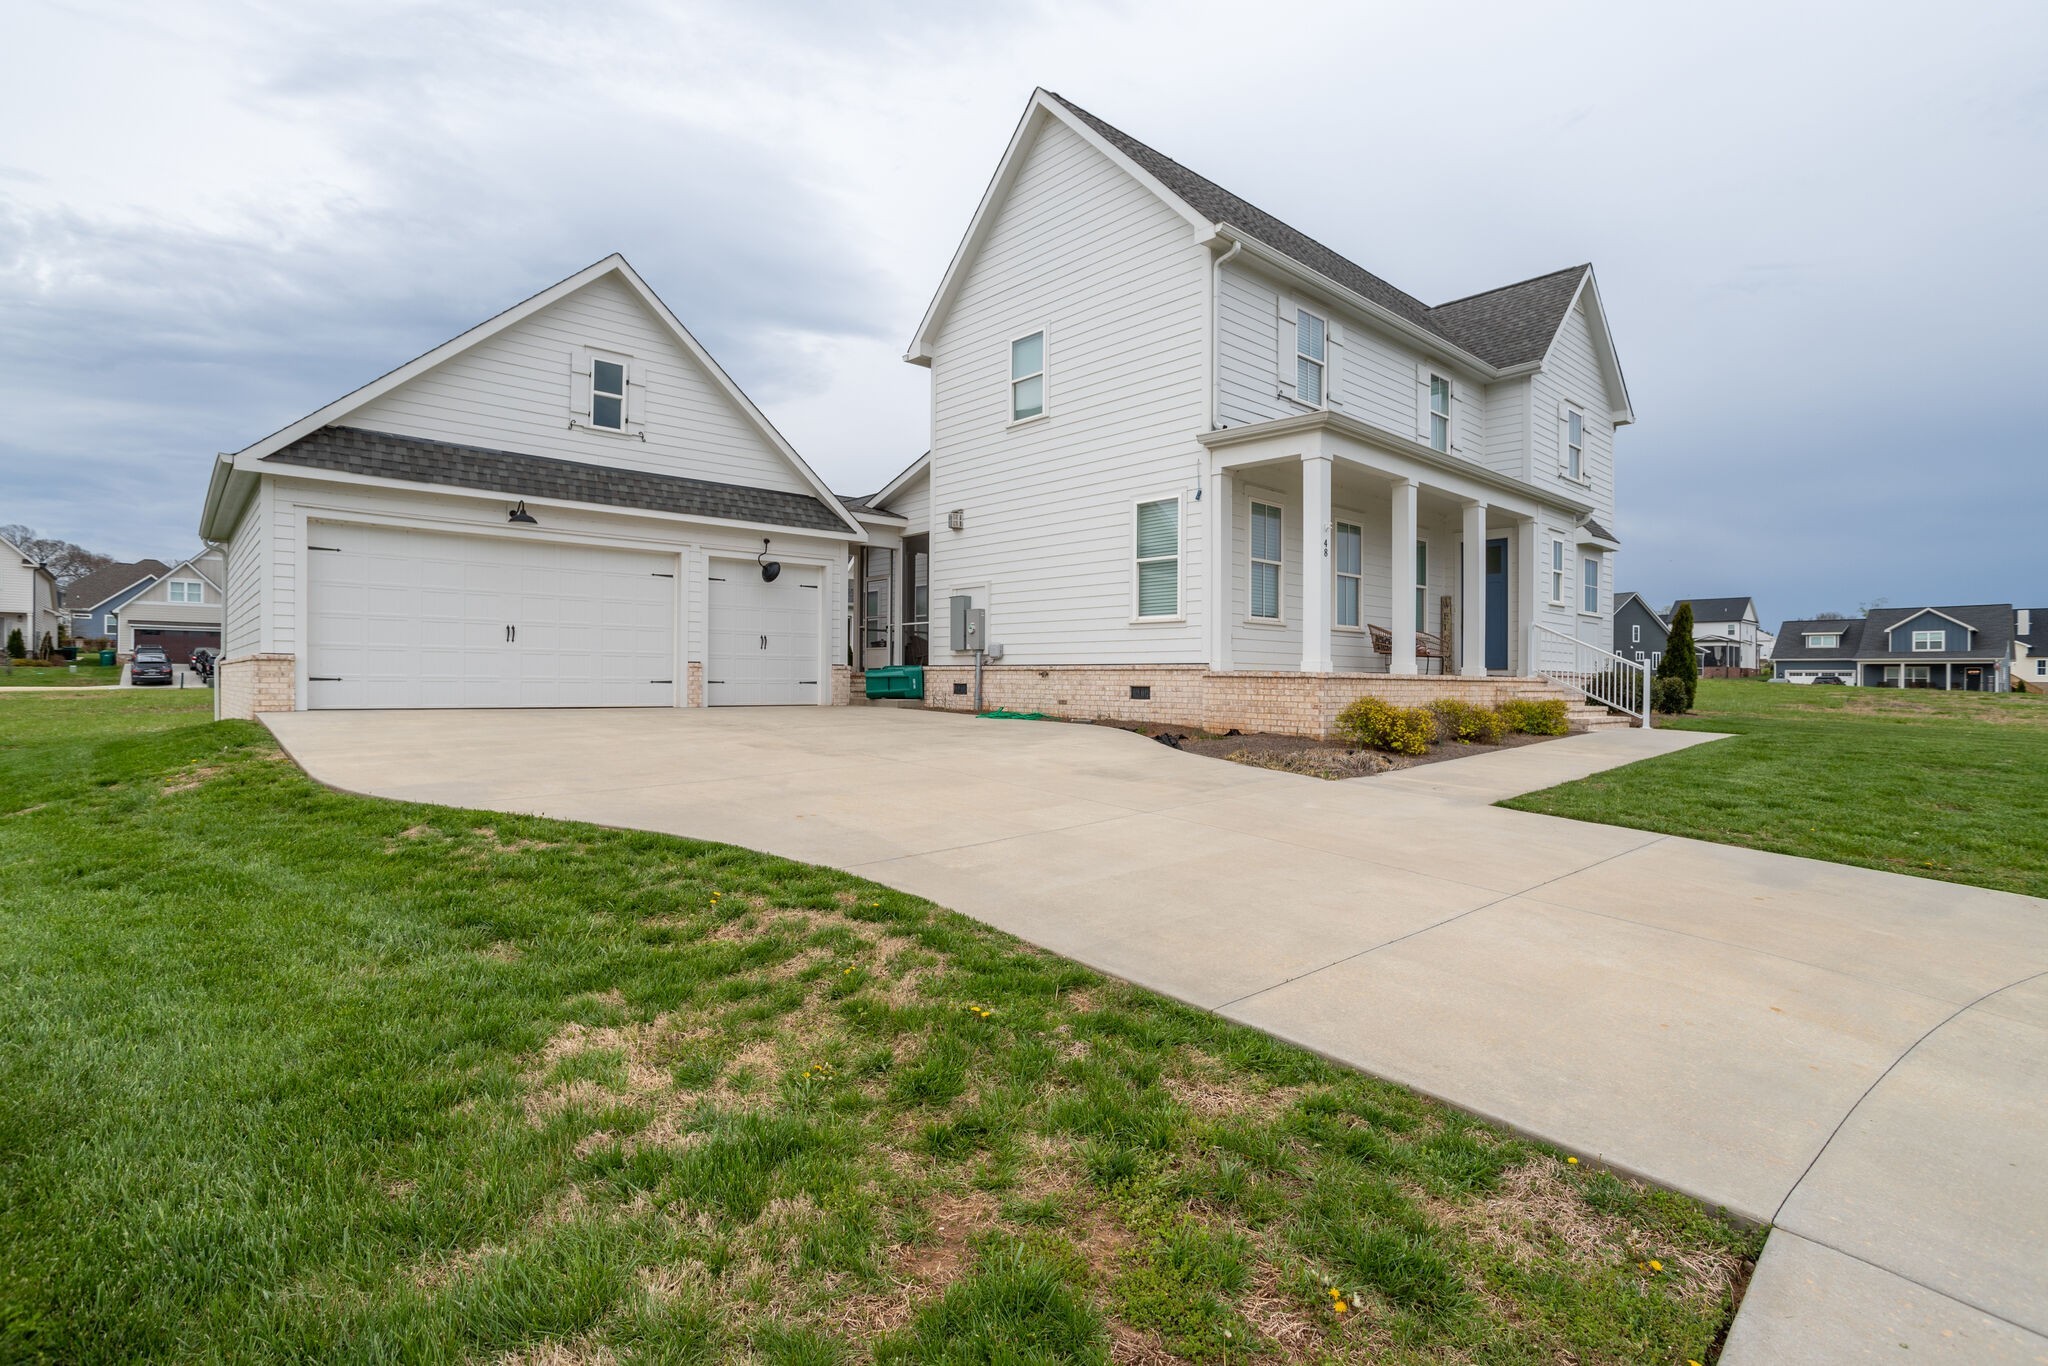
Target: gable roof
1944, 613
1621, 600
1718, 609
615, 264
191, 562
1991, 626
1498, 329
110, 581
25, 557
384, 455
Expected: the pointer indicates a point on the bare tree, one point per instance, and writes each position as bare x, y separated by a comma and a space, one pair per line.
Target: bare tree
66, 561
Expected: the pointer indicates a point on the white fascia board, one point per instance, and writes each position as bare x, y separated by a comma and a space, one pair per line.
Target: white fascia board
921, 465
1037, 111
882, 519
854, 532
519, 312
1279, 263
1603, 342
229, 491
187, 563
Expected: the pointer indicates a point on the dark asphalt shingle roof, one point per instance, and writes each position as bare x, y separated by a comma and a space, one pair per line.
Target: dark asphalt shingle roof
384, 455
1511, 325
1869, 638
1792, 639
1593, 528
1717, 609
2037, 636
83, 594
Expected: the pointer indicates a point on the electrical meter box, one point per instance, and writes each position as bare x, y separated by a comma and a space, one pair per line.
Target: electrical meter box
970, 625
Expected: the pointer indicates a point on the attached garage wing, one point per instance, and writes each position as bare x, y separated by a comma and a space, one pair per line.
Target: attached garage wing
764, 638
401, 618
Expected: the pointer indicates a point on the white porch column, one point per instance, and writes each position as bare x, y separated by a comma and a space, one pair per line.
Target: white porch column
1472, 595
1317, 584
1401, 548
1221, 581
1529, 570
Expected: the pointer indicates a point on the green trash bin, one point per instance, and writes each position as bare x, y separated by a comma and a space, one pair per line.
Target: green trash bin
896, 681
106, 659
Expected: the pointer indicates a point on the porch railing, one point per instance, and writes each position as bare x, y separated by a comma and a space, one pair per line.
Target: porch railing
1620, 684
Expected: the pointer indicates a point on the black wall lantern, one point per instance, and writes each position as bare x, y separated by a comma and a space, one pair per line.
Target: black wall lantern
769, 568
521, 515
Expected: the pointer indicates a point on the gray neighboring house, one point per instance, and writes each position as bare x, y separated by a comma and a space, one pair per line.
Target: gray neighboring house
2030, 648
1727, 632
94, 603
1640, 632
1960, 649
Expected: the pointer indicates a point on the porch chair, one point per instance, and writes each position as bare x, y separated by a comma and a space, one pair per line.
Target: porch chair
1427, 646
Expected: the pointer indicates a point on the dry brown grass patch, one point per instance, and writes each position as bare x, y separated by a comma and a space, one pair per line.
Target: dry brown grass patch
190, 779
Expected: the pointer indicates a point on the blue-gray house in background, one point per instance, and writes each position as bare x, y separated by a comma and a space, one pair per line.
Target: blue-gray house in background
1640, 631
1960, 649
93, 603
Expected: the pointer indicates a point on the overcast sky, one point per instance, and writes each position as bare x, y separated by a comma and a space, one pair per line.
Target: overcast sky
1818, 229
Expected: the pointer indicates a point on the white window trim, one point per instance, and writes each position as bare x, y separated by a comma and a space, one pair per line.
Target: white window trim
1044, 373
625, 388
1180, 541
1558, 571
1323, 365
1589, 581
1833, 639
1940, 643
181, 592
583, 412
1450, 414
1564, 445
1350, 519
1422, 584
1271, 500
1635, 635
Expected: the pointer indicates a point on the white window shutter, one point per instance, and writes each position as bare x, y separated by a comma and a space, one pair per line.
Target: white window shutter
1287, 325
1422, 402
579, 386
1452, 419
1333, 367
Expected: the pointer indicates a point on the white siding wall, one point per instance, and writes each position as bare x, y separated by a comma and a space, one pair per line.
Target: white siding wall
17, 585
514, 392
293, 502
241, 630
1575, 376
914, 503
1117, 282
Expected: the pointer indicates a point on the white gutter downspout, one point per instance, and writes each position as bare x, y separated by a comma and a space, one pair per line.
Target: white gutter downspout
1216, 590
1216, 265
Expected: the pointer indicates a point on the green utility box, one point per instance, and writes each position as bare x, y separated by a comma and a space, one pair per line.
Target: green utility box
902, 680
106, 658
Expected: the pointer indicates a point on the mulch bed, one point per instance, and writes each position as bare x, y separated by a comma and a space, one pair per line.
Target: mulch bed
1332, 759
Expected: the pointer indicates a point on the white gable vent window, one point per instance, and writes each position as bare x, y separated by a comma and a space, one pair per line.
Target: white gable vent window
186, 590
1311, 335
1027, 377
608, 394
1158, 558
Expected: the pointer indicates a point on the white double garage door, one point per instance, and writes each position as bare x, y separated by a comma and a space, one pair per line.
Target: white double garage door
402, 619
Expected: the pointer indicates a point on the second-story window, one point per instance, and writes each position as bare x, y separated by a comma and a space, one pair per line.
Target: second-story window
1574, 445
1027, 377
1439, 412
1926, 641
186, 590
608, 394
1311, 344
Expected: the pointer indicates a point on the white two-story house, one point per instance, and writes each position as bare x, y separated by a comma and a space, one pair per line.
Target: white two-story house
1197, 467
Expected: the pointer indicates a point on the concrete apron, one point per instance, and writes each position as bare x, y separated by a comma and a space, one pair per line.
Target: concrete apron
1859, 1057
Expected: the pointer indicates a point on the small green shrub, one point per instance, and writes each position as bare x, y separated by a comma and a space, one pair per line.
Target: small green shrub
1379, 724
1528, 716
1670, 696
1457, 719
15, 649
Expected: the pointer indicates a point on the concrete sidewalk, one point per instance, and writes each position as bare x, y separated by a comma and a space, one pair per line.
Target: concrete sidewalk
1858, 1056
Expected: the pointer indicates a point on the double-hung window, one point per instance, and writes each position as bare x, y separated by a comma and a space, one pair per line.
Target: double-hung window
186, 590
1927, 641
1557, 571
1158, 558
2041, 667
1439, 413
1311, 346
1027, 377
1635, 634
608, 394
1589, 583
1824, 642
1350, 572
1574, 445
1265, 584
1421, 583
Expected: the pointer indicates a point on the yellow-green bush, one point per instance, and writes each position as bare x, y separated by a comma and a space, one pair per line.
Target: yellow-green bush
1379, 724
1530, 717
1457, 719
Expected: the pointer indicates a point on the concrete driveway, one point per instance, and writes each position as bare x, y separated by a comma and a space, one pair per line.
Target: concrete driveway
1859, 1057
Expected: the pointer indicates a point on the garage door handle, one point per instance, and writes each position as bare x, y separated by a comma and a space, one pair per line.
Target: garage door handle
511, 634
764, 642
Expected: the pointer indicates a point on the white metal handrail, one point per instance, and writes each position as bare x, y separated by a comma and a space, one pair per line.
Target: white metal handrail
1602, 675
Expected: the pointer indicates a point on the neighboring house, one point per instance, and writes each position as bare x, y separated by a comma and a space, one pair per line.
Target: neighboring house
1640, 632
1727, 632
2030, 648
1195, 465
1965, 649
94, 601
180, 612
28, 597
568, 505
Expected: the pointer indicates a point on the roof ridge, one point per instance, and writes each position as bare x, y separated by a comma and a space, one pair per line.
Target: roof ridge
1515, 284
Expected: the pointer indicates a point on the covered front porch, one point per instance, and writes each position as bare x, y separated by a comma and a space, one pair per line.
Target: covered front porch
1346, 553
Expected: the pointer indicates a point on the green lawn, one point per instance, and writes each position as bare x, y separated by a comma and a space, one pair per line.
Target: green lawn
22, 676
295, 1075
1941, 785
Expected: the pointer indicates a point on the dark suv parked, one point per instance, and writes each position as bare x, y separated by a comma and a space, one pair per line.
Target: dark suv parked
151, 666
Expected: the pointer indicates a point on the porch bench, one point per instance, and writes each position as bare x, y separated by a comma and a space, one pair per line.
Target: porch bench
1427, 646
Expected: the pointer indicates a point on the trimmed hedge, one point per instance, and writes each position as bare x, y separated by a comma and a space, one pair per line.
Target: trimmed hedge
1670, 696
1466, 722
1378, 724
1530, 717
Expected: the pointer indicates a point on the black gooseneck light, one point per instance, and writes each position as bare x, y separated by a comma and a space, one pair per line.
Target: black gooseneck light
520, 515
769, 568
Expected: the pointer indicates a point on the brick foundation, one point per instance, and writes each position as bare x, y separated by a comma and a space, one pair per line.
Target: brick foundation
842, 684
693, 685
257, 683
1277, 702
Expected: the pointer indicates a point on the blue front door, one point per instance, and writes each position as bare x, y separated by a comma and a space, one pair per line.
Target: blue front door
1497, 604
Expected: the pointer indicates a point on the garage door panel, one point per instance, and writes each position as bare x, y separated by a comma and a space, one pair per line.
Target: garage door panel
418, 619
764, 638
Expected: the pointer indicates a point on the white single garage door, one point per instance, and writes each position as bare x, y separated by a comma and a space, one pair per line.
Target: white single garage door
401, 618
765, 646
